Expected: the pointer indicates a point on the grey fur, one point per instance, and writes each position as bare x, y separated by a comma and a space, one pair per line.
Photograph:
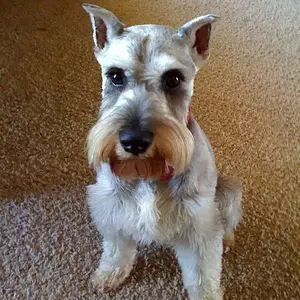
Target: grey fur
192, 211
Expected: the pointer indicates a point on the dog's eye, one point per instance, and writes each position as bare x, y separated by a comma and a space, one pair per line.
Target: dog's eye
116, 76
172, 79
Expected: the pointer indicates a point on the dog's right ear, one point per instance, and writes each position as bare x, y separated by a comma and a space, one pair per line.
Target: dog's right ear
105, 25
197, 34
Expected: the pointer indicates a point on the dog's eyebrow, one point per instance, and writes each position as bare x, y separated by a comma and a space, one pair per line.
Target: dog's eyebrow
158, 65
121, 57
164, 62
122, 61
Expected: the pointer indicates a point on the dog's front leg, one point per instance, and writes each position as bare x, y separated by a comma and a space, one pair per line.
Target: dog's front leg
201, 267
116, 262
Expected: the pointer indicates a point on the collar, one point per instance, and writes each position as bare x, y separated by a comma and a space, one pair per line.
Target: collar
171, 171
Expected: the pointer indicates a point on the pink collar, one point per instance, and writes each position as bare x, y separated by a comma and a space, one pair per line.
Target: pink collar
171, 171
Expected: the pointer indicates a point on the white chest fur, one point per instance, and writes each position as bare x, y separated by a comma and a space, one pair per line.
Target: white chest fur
143, 215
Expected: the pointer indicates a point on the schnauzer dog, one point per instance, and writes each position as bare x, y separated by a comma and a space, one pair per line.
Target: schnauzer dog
156, 175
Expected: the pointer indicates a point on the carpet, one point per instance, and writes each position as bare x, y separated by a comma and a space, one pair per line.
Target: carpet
247, 100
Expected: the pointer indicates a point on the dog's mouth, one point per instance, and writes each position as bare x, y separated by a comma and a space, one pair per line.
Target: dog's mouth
151, 168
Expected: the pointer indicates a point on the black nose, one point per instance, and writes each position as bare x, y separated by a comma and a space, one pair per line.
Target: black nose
135, 141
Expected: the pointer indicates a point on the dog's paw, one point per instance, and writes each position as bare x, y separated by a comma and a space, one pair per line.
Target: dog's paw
110, 278
228, 242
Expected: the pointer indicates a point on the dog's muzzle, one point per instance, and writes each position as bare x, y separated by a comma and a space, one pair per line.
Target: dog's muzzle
158, 146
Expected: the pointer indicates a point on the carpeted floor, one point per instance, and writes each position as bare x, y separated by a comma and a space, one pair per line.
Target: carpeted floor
247, 100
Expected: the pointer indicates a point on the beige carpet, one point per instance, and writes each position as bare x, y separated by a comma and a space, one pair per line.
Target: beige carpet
247, 100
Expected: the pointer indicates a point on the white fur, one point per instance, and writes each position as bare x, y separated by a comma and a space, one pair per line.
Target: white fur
145, 218
163, 62
114, 57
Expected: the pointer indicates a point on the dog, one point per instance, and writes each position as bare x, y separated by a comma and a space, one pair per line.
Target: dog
156, 175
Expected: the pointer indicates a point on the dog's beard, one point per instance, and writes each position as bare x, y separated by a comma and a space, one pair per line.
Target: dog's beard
134, 168
173, 145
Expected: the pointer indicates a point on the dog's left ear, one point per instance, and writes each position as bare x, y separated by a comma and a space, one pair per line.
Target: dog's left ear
197, 34
105, 25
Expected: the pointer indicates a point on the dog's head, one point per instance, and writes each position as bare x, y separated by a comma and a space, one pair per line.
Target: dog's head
147, 73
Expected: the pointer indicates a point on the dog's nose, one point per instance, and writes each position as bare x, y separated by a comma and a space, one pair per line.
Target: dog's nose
135, 141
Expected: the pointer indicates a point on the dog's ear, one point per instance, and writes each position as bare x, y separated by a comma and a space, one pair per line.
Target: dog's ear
105, 25
197, 33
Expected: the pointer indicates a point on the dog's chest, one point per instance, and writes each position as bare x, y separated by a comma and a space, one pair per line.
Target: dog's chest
146, 215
